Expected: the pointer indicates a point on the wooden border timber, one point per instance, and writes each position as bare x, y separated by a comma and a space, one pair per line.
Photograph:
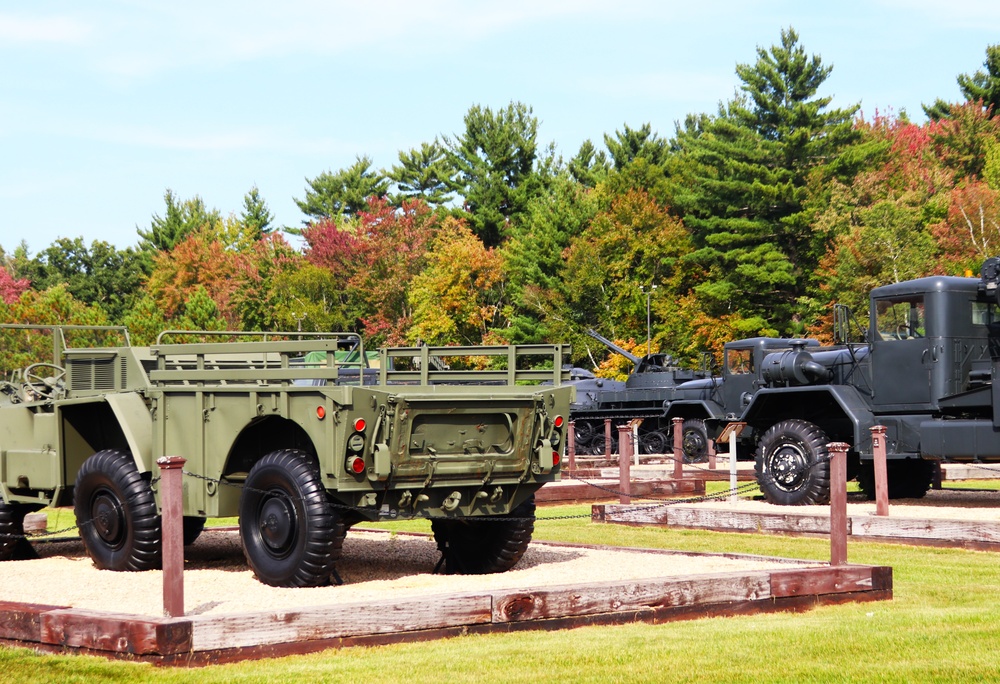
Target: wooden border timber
569, 490
209, 639
972, 534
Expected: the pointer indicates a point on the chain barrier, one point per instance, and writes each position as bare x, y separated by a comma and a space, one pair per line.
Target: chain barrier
662, 502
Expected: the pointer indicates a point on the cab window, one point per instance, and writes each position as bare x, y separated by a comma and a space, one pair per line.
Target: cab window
900, 319
739, 361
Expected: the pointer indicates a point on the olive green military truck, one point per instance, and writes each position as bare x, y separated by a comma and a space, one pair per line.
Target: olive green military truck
298, 435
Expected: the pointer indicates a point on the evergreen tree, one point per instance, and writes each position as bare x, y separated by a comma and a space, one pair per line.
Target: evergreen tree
180, 220
589, 166
494, 161
631, 144
256, 216
423, 174
743, 183
343, 194
982, 86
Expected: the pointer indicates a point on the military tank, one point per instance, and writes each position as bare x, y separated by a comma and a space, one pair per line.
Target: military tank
646, 394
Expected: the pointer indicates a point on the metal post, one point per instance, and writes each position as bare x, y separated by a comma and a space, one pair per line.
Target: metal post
624, 464
838, 502
733, 496
711, 455
172, 497
634, 432
571, 447
881, 472
678, 448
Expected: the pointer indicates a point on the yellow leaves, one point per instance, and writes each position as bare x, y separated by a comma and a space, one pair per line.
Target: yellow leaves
455, 298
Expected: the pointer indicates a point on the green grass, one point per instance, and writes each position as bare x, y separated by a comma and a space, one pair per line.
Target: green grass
940, 626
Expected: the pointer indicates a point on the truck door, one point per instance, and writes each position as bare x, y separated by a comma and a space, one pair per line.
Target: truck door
740, 377
901, 353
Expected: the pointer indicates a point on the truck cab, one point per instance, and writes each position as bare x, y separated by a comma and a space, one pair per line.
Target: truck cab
927, 336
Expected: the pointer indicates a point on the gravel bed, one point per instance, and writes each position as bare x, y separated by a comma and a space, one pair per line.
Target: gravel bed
375, 567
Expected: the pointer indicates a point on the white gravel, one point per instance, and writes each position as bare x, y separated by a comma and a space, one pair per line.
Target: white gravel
375, 566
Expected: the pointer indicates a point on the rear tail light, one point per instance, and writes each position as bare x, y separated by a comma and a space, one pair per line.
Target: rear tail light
360, 425
356, 465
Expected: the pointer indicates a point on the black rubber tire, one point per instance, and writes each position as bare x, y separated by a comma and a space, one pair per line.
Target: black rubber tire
291, 534
792, 464
481, 547
193, 527
694, 440
11, 529
907, 478
116, 513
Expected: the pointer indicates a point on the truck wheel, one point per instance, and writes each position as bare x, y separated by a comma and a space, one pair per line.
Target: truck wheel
792, 464
290, 533
907, 478
116, 513
695, 441
481, 547
193, 527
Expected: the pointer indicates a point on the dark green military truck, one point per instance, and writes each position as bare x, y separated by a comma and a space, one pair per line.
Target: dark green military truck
299, 436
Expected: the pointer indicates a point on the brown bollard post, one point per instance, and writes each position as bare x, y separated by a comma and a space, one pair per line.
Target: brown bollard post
607, 439
625, 463
678, 448
838, 502
711, 454
172, 527
571, 447
881, 472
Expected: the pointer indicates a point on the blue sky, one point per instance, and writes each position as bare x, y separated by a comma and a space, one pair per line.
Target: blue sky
105, 105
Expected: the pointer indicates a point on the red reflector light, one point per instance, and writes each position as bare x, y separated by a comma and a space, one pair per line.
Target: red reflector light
555, 458
360, 425
558, 421
320, 412
356, 465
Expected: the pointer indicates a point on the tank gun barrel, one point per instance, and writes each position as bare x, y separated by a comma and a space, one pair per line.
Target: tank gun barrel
612, 346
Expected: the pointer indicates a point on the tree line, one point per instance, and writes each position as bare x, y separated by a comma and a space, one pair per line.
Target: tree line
750, 220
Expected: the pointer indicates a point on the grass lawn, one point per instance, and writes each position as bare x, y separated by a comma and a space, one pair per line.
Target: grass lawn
942, 625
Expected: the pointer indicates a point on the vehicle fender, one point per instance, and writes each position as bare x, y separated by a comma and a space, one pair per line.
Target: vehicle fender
841, 410
136, 422
701, 408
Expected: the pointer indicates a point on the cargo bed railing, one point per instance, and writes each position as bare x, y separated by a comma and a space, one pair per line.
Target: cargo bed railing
422, 365
266, 362
58, 333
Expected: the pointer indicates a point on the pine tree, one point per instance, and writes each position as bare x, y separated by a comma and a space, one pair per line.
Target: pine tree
982, 86
343, 194
256, 215
423, 174
494, 161
743, 179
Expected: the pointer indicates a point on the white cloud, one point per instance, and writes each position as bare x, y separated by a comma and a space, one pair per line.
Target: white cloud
23, 29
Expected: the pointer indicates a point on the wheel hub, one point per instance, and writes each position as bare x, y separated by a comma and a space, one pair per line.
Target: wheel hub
694, 445
108, 517
788, 467
277, 524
